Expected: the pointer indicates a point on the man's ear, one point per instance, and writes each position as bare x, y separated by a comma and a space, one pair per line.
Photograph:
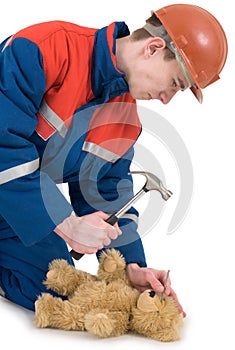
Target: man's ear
153, 45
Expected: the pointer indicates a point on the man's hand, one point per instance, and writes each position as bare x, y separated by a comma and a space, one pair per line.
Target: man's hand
143, 278
88, 233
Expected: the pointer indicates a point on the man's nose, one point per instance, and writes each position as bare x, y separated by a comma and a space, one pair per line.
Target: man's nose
166, 97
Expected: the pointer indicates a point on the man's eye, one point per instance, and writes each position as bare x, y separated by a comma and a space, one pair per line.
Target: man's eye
174, 84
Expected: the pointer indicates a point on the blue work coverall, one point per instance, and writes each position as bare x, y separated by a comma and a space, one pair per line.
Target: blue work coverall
66, 116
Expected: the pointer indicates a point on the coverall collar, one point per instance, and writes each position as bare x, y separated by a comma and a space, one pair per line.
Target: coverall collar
106, 78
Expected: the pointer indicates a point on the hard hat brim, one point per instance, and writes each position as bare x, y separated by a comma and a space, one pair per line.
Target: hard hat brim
197, 93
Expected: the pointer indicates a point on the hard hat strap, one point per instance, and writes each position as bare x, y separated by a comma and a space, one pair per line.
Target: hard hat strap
171, 46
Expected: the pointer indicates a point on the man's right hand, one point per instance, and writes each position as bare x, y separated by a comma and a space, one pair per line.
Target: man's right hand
89, 233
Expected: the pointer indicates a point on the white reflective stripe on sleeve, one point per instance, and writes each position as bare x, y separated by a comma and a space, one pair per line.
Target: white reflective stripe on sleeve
18, 171
51, 117
2, 293
7, 42
100, 152
132, 217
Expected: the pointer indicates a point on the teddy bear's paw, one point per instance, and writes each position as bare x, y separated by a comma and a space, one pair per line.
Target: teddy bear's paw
59, 272
43, 309
56, 268
100, 324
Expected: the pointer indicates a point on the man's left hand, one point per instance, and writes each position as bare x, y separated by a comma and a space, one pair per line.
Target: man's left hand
143, 278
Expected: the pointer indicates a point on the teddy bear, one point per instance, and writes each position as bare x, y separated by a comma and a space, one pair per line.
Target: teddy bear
105, 304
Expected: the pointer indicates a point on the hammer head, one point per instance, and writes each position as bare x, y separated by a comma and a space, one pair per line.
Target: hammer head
154, 183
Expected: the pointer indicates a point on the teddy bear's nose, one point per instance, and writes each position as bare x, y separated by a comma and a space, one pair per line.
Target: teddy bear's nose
152, 293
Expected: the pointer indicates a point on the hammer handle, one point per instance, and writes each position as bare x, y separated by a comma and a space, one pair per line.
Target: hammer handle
76, 255
111, 220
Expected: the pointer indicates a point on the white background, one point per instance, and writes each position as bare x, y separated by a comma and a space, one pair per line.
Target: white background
200, 254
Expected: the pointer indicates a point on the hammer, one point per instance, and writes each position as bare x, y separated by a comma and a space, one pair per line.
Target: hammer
152, 183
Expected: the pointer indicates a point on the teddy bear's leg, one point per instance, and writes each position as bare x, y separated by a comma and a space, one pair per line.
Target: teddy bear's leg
104, 323
64, 278
53, 312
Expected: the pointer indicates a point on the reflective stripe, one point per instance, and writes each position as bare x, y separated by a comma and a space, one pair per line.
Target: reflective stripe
7, 42
51, 117
100, 152
18, 171
2, 293
132, 217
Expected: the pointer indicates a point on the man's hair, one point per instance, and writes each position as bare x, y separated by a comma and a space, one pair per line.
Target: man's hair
141, 33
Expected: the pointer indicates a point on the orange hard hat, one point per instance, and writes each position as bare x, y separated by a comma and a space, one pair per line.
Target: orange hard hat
200, 41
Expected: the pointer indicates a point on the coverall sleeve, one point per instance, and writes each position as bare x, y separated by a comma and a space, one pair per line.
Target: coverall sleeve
23, 203
108, 189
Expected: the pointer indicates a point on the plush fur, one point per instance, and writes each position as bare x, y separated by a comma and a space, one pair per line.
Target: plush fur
105, 304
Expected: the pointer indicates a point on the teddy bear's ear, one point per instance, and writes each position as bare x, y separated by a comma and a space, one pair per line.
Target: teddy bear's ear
149, 301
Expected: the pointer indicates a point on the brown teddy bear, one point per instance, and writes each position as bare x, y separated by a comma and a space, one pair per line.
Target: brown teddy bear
105, 305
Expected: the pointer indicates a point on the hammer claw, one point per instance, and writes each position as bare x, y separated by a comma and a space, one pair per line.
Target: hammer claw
153, 183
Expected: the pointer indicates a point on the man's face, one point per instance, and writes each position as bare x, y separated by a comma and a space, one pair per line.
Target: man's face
155, 78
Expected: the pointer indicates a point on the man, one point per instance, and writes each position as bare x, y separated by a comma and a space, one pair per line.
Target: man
68, 114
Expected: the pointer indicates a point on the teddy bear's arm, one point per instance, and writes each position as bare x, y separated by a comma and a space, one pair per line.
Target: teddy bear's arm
64, 278
52, 312
112, 266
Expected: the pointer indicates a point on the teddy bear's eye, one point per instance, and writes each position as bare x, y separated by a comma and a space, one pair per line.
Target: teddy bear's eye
152, 293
